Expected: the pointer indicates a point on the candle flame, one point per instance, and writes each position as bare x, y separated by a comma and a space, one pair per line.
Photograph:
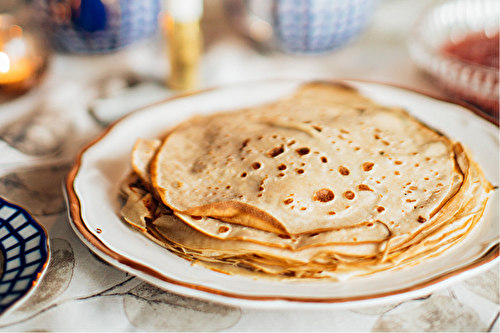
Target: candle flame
4, 62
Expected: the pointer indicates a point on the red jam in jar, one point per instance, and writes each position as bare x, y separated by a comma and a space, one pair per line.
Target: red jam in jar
478, 49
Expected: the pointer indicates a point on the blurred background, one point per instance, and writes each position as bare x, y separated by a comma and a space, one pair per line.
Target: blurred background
75, 66
156, 48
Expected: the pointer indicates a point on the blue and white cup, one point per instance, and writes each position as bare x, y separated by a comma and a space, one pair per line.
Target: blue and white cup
301, 26
316, 26
98, 26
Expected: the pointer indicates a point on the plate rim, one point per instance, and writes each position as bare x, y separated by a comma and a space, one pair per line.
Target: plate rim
122, 262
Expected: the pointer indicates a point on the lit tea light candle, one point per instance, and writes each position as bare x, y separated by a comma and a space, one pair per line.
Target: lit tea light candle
20, 64
14, 64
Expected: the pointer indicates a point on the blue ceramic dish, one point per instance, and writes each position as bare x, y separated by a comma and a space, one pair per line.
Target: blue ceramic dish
301, 26
97, 26
24, 248
318, 26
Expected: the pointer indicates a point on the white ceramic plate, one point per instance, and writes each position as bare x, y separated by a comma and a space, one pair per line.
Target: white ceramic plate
92, 193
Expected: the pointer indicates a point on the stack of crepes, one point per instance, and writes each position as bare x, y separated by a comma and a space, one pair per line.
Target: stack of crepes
324, 183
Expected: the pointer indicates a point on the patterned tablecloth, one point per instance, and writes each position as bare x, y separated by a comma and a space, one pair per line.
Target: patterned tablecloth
80, 95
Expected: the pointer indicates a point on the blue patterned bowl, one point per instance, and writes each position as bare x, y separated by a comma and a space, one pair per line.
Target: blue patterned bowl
98, 26
24, 249
300, 26
317, 26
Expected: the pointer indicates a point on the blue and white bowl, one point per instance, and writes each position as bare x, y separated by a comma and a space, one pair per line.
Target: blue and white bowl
317, 26
98, 26
301, 26
25, 253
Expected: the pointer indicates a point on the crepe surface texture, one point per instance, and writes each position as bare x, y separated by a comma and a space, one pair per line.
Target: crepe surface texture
324, 183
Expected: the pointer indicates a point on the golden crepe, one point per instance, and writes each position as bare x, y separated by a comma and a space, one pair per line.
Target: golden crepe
322, 184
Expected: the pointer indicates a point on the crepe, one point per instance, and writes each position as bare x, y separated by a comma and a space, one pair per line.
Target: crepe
322, 184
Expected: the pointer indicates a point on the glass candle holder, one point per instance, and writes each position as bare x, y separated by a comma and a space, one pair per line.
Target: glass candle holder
23, 57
